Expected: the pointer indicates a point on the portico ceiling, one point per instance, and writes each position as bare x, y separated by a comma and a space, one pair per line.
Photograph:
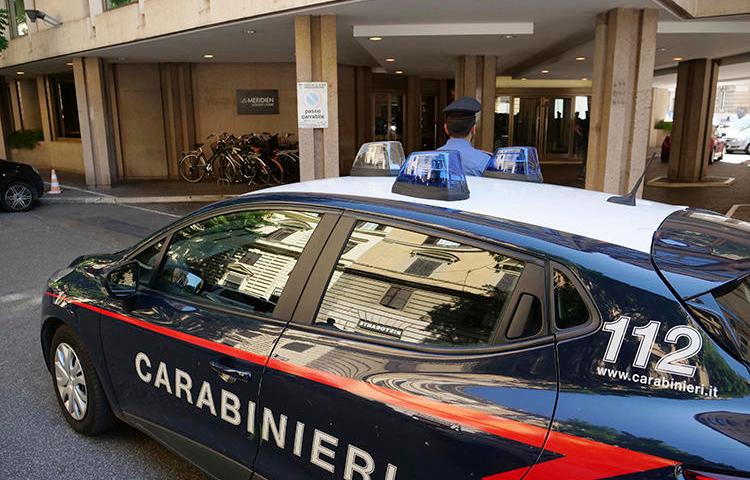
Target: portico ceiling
554, 33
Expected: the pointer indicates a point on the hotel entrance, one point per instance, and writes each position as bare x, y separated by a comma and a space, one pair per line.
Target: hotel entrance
556, 124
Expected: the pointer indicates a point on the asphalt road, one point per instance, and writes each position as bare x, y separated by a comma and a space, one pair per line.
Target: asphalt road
35, 441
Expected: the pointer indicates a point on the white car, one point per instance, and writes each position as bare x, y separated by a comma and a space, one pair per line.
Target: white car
738, 136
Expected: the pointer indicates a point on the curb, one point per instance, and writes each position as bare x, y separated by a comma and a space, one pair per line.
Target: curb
137, 200
98, 197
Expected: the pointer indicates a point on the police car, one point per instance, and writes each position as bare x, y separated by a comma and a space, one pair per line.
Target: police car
419, 327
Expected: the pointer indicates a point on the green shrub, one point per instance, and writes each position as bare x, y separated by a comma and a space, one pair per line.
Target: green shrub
25, 139
664, 125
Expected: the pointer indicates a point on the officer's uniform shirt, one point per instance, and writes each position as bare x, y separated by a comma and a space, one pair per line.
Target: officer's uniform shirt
473, 160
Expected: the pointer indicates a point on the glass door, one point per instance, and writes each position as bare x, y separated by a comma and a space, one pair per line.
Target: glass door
556, 125
388, 116
526, 114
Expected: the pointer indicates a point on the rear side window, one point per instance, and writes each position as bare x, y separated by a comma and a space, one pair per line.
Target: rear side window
735, 302
239, 259
403, 285
570, 308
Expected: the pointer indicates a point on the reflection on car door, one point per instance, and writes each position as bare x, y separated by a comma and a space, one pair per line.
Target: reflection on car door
186, 354
397, 372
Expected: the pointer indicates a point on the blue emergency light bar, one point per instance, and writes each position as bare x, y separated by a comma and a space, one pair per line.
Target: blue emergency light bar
437, 175
378, 159
515, 163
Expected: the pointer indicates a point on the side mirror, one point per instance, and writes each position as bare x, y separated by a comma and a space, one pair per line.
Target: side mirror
122, 281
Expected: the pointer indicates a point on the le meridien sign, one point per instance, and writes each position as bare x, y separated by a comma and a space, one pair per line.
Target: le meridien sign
257, 102
312, 105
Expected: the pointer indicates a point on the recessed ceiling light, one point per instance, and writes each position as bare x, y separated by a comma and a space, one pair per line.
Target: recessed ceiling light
678, 59
249, 32
208, 55
509, 36
70, 64
580, 59
399, 72
523, 78
584, 79
390, 59
545, 71
376, 39
662, 49
20, 73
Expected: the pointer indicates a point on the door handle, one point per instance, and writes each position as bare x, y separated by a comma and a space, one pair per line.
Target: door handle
230, 374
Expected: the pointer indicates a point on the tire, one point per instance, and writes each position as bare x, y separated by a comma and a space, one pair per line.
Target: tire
18, 197
192, 168
95, 416
747, 149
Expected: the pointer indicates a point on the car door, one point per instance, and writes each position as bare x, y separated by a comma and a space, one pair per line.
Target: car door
185, 355
412, 354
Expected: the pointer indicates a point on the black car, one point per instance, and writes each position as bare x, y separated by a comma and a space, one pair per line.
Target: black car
20, 186
337, 330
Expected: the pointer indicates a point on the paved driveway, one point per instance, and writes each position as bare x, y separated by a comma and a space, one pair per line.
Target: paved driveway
36, 442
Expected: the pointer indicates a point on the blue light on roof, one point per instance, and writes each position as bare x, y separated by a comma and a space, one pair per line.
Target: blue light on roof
437, 175
378, 159
515, 163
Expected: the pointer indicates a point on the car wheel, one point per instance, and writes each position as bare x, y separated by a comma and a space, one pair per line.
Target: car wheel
747, 149
18, 197
77, 388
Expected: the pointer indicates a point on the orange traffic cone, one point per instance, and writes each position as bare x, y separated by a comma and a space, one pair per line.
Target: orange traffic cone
54, 185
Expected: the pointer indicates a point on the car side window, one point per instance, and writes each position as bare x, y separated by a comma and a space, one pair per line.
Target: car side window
402, 285
570, 308
241, 259
148, 262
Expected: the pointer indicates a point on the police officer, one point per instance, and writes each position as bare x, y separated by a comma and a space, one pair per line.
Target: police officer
460, 126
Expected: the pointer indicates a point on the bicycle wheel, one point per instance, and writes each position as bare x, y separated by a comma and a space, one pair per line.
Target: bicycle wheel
291, 166
227, 170
247, 168
192, 167
275, 171
263, 175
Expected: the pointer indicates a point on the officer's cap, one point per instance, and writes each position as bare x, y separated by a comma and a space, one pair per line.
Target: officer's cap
464, 106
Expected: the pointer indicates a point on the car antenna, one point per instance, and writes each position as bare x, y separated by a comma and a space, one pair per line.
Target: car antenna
629, 198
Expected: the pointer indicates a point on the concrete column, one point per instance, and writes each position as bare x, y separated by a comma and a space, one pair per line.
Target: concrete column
693, 114
15, 104
97, 142
363, 99
317, 61
44, 108
177, 105
475, 77
624, 51
659, 109
413, 114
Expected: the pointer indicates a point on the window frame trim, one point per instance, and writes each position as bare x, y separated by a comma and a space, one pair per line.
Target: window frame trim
595, 318
309, 304
283, 311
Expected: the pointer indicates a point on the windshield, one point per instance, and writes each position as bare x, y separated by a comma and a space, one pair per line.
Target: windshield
735, 303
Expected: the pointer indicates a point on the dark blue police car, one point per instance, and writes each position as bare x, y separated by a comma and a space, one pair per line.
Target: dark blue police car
435, 327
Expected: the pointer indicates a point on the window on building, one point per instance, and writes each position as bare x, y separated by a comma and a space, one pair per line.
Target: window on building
386, 288
396, 297
17, 18
280, 234
110, 4
65, 106
570, 309
423, 267
226, 260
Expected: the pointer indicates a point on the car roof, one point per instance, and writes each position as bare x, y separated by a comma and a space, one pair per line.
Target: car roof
566, 209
